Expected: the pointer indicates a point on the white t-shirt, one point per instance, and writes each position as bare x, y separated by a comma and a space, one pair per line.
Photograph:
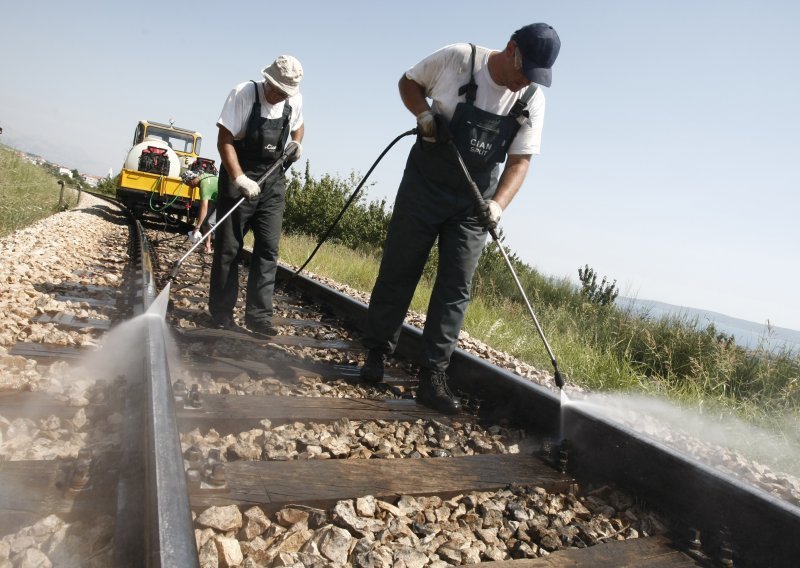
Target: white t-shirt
239, 103
442, 74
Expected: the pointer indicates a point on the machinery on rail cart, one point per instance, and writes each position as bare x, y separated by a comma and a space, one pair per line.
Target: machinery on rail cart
151, 176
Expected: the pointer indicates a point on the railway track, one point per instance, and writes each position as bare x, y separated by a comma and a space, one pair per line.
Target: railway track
270, 452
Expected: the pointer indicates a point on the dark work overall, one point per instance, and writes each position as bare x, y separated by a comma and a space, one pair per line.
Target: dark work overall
262, 145
434, 201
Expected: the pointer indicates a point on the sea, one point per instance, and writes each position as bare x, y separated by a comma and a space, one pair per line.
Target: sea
746, 333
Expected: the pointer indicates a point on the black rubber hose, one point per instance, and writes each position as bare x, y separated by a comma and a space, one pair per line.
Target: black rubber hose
351, 199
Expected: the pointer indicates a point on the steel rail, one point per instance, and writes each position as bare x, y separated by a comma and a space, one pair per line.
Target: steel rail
171, 532
159, 512
759, 529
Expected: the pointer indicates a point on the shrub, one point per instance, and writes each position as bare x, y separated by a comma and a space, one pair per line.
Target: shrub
313, 205
108, 185
603, 294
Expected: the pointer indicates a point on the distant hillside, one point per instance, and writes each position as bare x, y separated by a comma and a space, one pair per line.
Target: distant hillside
746, 333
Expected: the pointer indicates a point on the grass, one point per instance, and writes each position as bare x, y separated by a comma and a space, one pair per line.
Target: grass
602, 349
505, 325
357, 269
28, 192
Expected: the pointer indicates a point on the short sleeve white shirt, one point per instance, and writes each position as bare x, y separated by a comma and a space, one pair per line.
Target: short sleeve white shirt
239, 103
445, 71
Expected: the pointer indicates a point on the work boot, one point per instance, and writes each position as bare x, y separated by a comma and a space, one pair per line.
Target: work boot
372, 371
221, 322
433, 392
261, 327
227, 324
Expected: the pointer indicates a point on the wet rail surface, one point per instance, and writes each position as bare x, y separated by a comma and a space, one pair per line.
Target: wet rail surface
316, 343
193, 379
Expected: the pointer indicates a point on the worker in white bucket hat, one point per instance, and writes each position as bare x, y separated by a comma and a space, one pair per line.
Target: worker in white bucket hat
259, 121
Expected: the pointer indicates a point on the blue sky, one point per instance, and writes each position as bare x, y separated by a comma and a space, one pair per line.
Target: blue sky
670, 141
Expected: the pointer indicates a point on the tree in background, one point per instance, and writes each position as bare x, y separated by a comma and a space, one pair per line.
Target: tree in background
108, 184
603, 294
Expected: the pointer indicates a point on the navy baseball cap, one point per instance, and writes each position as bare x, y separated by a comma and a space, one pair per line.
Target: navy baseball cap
539, 45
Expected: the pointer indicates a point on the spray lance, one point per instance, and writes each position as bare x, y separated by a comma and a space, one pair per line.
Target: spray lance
288, 152
478, 198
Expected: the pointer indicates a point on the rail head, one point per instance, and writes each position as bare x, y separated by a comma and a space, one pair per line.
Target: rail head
167, 526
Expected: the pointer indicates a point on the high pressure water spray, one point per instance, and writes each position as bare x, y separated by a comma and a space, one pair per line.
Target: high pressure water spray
290, 150
478, 198
350, 201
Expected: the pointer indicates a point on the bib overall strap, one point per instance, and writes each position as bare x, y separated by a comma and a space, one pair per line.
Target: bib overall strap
252, 123
520, 108
287, 114
471, 88
256, 110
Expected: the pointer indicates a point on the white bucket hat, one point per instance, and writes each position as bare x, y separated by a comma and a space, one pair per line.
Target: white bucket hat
285, 74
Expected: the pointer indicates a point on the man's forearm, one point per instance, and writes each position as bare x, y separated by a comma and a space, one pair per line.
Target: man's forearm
413, 95
201, 215
297, 135
514, 174
227, 153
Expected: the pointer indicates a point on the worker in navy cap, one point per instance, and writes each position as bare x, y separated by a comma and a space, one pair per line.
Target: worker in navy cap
488, 105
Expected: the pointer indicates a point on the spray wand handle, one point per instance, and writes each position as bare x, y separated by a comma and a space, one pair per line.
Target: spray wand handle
473, 187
